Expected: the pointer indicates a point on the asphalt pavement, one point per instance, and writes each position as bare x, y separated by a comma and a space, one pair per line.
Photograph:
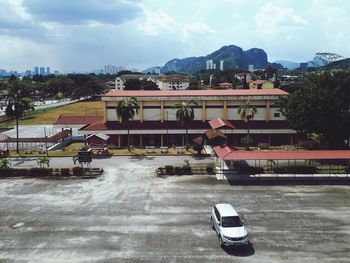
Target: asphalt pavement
129, 215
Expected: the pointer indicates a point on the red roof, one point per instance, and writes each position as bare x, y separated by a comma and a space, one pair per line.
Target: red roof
259, 81
187, 93
55, 138
211, 134
224, 84
227, 153
63, 120
219, 123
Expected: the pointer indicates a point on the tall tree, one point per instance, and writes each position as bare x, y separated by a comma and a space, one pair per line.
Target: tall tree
322, 107
247, 112
185, 113
17, 104
126, 110
324, 59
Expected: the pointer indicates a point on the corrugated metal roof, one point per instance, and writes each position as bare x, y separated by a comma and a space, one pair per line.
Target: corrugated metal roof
186, 93
227, 153
219, 123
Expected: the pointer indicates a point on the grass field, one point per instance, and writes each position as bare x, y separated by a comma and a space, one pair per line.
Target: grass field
50, 116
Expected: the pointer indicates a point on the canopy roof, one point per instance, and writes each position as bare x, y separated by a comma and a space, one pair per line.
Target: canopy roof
228, 153
219, 123
211, 134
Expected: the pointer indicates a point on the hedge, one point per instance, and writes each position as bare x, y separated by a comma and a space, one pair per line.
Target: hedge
299, 169
38, 172
78, 170
65, 172
7, 172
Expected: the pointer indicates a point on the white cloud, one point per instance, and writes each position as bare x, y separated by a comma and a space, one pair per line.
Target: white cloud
196, 29
157, 22
272, 18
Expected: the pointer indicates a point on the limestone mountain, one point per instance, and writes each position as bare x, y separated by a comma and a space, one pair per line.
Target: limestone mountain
233, 56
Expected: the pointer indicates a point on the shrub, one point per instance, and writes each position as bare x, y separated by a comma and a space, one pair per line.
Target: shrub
300, 169
169, 168
210, 168
78, 170
263, 146
38, 172
179, 170
65, 172
7, 172
187, 169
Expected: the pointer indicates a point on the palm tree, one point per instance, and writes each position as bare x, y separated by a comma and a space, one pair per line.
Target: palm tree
17, 104
185, 113
5, 163
246, 113
126, 110
42, 161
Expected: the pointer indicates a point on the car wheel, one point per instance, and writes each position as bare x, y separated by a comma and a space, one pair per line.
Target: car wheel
212, 223
221, 243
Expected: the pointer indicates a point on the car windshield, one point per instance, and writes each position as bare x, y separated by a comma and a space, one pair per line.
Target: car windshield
231, 221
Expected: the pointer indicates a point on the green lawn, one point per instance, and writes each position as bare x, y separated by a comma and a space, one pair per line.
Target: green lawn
49, 116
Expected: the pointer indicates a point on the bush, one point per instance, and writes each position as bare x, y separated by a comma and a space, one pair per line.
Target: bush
169, 168
251, 170
263, 146
300, 169
187, 169
210, 168
7, 172
179, 170
78, 171
38, 172
65, 172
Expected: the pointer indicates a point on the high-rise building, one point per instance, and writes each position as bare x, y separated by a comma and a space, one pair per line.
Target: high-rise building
48, 71
221, 65
211, 64
303, 67
42, 71
36, 70
110, 69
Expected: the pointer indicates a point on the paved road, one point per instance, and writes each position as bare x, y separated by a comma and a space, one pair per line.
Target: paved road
128, 215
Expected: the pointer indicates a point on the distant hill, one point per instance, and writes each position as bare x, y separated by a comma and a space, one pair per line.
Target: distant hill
233, 57
152, 70
288, 64
343, 64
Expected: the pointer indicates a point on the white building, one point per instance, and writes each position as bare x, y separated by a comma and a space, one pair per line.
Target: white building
111, 70
173, 82
221, 65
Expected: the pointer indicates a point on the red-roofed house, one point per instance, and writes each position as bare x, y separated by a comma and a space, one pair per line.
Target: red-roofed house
156, 123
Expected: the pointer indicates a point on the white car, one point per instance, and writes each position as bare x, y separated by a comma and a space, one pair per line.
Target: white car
228, 226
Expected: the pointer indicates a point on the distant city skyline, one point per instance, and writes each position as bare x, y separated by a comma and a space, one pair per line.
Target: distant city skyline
83, 36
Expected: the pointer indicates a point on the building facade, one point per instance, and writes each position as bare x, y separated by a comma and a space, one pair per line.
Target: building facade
156, 123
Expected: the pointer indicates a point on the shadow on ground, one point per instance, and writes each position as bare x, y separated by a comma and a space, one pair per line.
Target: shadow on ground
291, 181
240, 251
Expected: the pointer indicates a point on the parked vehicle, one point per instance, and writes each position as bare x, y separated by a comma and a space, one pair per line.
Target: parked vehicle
228, 226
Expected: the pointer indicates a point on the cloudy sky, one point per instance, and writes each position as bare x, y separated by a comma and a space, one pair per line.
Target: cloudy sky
82, 35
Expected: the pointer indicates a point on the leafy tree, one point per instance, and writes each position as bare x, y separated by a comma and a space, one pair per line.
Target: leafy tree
148, 85
17, 104
126, 110
5, 163
132, 84
247, 112
325, 58
42, 161
321, 106
185, 113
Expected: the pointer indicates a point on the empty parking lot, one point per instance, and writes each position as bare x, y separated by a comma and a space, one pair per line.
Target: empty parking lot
129, 215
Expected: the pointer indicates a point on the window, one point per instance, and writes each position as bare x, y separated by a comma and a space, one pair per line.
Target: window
277, 115
217, 214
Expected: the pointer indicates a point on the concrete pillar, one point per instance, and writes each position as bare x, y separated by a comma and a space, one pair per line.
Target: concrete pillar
119, 140
141, 140
141, 110
225, 110
161, 140
268, 110
105, 111
161, 111
204, 112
